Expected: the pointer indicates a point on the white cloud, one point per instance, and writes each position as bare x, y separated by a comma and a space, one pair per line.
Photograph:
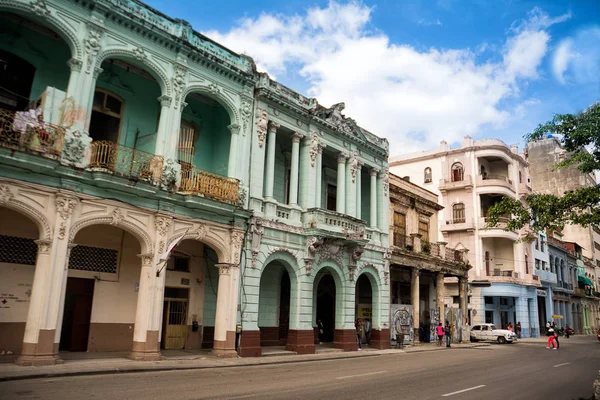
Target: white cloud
425, 22
577, 58
414, 98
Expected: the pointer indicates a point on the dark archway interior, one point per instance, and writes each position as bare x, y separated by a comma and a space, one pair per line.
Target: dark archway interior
284, 307
326, 306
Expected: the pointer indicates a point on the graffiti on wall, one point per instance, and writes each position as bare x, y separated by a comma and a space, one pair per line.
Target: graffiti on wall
401, 322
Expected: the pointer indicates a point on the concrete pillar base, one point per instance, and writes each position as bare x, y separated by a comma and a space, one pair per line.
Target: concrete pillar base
345, 339
148, 350
302, 342
225, 348
380, 339
45, 352
250, 344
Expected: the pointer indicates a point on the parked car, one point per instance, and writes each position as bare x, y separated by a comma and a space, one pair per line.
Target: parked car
490, 332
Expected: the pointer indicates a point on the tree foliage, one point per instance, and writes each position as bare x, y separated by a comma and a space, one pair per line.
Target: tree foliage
578, 207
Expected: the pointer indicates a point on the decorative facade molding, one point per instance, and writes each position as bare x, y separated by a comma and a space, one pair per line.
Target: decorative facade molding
117, 217
40, 8
140, 54
178, 82
165, 101
6, 194
296, 137
245, 113
237, 241
313, 148
256, 231
65, 206
201, 232
44, 246
162, 224
354, 165
281, 226
386, 181
92, 46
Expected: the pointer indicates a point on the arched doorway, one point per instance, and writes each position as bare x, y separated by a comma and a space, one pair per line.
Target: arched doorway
18, 254
326, 301
363, 306
101, 294
274, 305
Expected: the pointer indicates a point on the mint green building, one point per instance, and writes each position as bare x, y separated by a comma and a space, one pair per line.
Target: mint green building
156, 192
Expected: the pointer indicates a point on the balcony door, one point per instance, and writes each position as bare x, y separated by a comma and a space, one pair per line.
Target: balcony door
16, 78
107, 115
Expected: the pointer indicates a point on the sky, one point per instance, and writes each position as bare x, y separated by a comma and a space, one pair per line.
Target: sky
415, 71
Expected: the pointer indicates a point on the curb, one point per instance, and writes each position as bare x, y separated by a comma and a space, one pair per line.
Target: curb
62, 374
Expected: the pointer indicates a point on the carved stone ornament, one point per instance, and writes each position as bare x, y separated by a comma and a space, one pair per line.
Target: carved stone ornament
387, 259
356, 254
65, 206
6, 194
178, 83
201, 232
164, 100
262, 123
170, 173
242, 195
214, 88
75, 64
354, 165
313, 148
386, 181
162, 225
351, 272
62, 230
257, 231
140, 54
342, 157
223, 269
313, 245
43, 246
117, 217
308, 264
237, 239
386, 276
40, 8
234, 129
246, 112
296, 137
146, 260
75, 146
92, 47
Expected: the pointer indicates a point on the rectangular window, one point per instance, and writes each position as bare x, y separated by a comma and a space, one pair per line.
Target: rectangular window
537, 264
544, 265
526, 264
424, 230
458, 213
399, 229
16, 250
489, 300
178, 262
95, 259
331, 197
542, 244
537, 244
597, 245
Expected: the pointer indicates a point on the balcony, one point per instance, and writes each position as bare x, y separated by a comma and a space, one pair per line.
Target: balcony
126, 162
495, 184
545, 276
334, 222
485, 221
509, 274
27, 131
525, 189
447, 185
458, 224
564, 286
206, 184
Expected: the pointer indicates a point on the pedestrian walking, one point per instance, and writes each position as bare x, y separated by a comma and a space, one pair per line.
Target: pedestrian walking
440, 334
510, 327
551, 339
556, 339
359, 332
448, 334
518, 329
367, 331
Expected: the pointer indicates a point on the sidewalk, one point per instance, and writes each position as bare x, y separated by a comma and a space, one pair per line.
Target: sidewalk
113, 364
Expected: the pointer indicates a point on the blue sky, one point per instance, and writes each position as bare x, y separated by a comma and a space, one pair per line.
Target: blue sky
417, 71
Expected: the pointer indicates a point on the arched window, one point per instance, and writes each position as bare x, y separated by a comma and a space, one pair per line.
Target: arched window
428, 177
457, 172
526, 264
458, 213
487, 263
520, 177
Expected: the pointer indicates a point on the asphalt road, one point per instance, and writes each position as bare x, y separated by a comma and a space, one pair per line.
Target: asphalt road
518, 371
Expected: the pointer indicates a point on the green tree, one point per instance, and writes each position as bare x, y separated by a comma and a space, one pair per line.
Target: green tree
578, 207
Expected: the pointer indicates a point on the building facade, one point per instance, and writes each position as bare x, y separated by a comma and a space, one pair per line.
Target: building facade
318, 255
420, 264
469, 180
563, 265
546, 273
162, 194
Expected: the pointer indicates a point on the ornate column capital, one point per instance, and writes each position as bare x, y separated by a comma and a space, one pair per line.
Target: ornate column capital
234, 129
165, 101
415, 272
75, 64
296, 137
342, 157
43, 246
162, 224
65, 206
146, 259
223, 268
374, 171
273, 126
321, 147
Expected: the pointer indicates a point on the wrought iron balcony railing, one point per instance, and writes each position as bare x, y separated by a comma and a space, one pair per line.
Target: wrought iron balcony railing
27, 131
127, 162
196, 181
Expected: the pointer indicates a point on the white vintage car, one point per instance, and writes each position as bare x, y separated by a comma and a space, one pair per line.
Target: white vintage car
490, 332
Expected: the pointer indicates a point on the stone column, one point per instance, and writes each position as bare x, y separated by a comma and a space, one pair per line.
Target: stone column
44, 318
414, 299
308, 172
442, 249
463, 300
295, 168
439, 289
270, 167
225, 318
416, 237
359, 190
146, 339
373, 203
351, 185
233, 151
319, 172
340, 205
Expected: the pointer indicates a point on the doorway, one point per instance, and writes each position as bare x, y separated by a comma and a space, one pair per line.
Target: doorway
77, 314
16, 79
542, 312
175, 312
107, 114
326, 306
284, 308
364, 305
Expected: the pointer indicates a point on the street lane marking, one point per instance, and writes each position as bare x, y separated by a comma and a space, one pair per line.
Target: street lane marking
358, 376
560, 365
462, 391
